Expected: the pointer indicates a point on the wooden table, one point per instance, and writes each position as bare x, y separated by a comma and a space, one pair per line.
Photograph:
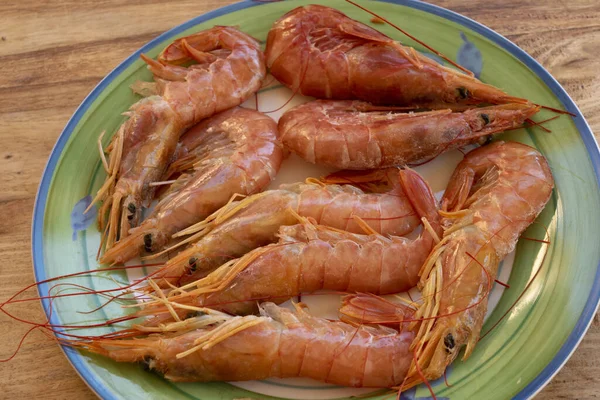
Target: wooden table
53, 53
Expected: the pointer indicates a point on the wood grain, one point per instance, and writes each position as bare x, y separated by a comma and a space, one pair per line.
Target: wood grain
52, 53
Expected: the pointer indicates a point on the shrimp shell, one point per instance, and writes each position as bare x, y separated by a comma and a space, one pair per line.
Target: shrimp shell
359, 135
320, 52
280, 343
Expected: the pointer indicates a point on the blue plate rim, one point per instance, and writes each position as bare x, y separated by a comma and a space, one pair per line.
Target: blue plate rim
535, 386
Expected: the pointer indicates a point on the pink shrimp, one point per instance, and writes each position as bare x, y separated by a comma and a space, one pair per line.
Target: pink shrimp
236, 151
358, 135
229, 68
320, 52
245, 225
309, 258
495, 193
278, 343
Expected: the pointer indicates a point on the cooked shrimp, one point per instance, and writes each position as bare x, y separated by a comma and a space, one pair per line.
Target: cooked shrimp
495, 193
358, 135
236, 151
245, 225
230, 67
278, 343
320, 52
309, 258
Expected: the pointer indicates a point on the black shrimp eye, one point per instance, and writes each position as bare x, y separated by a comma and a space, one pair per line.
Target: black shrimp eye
192, 263
463, 93
485, 118
148, 242
131, 208
195, 314
449, 343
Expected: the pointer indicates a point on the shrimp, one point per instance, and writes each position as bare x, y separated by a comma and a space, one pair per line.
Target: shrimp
495, 193
358, 135
279, 343
310, 257
235, 151
230, 68
254, 221
318, 51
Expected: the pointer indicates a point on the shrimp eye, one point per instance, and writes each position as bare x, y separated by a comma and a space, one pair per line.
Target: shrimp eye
485, 118
463, 93
449, 343
131, 207
195, 314
192, 262
148, 242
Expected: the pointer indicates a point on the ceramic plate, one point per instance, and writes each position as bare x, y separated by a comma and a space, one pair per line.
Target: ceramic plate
555, 297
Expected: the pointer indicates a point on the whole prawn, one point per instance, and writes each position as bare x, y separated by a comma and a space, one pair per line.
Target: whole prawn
495, 193
211, 346
235, 151
254, 221
320, 52
358, 135
229, 68
311, 257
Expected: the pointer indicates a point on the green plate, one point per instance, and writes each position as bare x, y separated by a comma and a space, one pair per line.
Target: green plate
556, 296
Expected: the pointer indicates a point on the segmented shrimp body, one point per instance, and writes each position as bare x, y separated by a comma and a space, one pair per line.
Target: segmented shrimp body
359, 135
235, 151
278, 343
311, 257
229, 68
245, 225
320, 52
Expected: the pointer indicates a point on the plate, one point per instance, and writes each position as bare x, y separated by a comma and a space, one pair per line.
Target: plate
555, 297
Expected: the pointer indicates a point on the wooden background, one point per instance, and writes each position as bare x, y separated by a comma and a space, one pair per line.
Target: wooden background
52, 53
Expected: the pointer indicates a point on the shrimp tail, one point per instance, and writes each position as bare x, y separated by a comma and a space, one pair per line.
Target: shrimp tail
421, 198
366, 308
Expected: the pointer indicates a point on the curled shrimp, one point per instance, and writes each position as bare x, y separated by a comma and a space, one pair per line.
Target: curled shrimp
359, 135
280, 343
254, 221
229, 68
235, 151
320, 52
312, 257
495, 193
